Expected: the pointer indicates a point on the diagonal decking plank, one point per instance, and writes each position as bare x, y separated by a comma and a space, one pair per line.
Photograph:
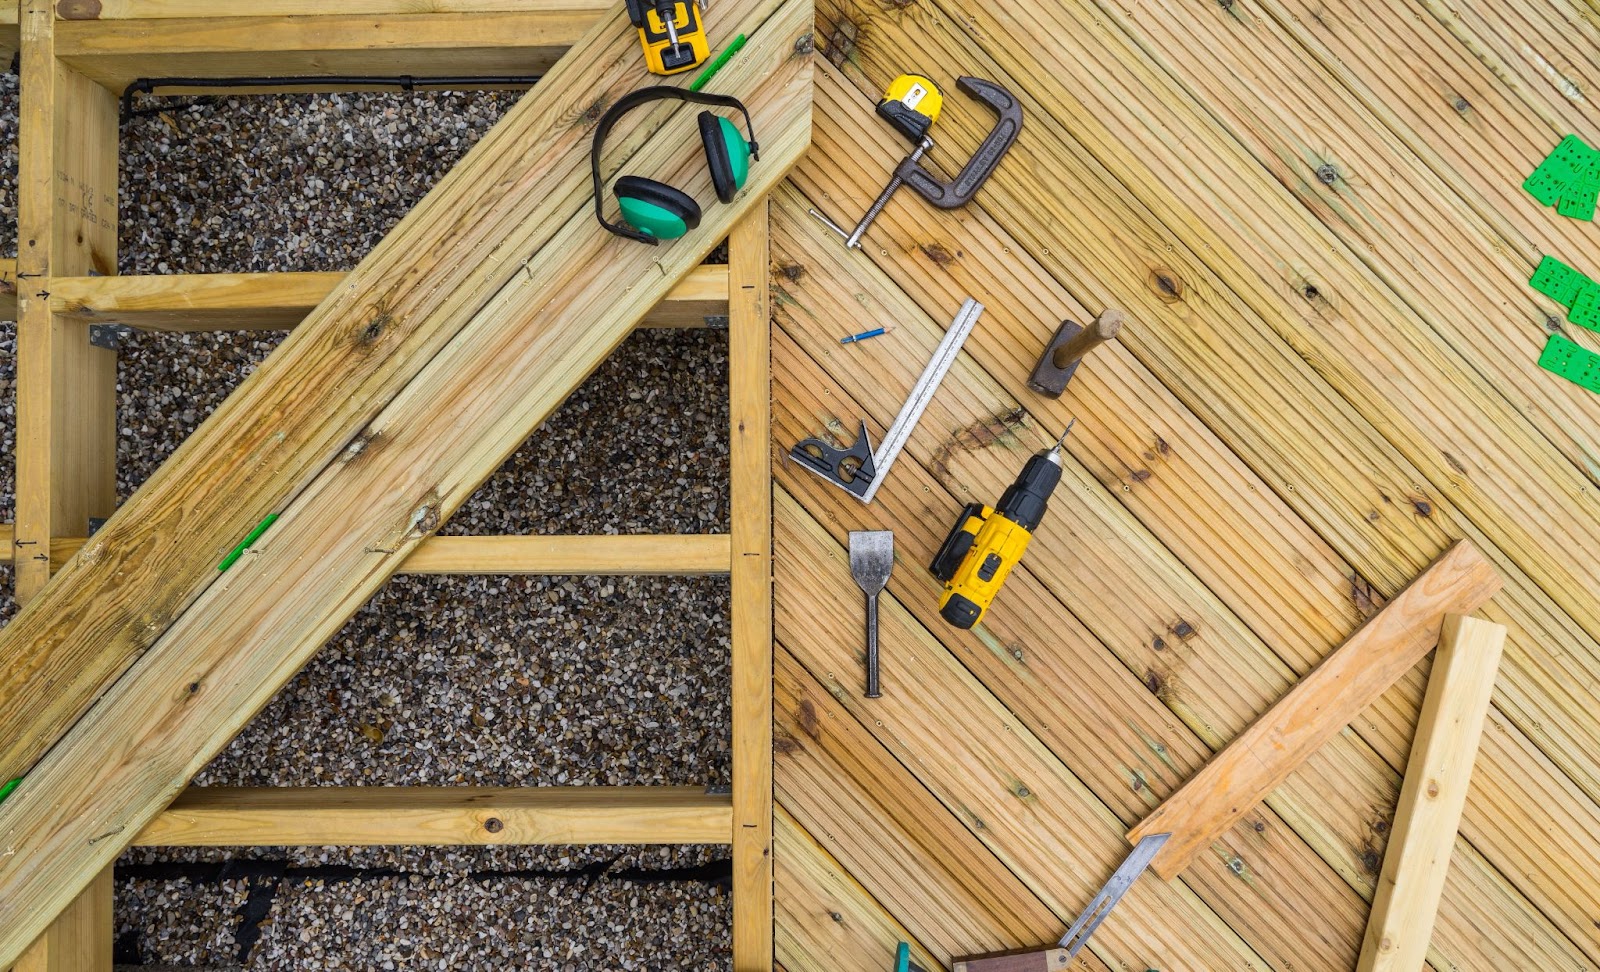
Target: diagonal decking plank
453, 343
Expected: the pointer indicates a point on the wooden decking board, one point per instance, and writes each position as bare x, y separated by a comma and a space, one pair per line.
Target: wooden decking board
142, 739
1410, 227
1356, 832
873, 815
826, 919
1270, 247
1156, 750
905, 249
1248, 392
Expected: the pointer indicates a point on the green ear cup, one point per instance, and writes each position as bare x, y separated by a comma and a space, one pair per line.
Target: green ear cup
738, 152
655, 208
652, 220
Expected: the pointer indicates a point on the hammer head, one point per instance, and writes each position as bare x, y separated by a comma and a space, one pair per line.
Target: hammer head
1066, 350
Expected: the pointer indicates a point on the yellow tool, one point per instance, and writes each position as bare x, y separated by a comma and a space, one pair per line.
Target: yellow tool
987, 541
672, 34
911, 104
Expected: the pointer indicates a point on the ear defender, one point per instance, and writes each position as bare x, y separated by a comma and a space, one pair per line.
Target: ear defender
653, 211
655, 208
727, 155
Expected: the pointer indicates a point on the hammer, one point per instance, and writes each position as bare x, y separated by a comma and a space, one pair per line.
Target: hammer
1071, 342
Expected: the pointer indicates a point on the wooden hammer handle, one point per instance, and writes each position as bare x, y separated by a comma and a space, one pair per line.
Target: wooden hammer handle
1319, 705
1104, 328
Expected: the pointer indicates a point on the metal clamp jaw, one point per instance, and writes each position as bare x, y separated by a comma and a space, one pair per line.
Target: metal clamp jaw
960, 190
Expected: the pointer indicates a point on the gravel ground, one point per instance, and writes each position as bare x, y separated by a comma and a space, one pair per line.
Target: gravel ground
490, 681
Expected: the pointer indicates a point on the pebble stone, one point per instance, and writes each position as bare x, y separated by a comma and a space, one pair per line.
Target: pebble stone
441, 681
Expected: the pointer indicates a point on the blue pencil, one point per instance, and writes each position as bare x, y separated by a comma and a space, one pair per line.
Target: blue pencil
866, 334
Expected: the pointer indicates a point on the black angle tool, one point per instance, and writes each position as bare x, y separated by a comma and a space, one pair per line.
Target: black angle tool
913, 119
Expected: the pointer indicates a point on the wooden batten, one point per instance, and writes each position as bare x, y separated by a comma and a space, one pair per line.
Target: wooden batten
281, 301
440, 816
510, 43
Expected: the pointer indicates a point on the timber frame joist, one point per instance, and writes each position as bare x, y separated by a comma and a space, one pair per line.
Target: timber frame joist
76, 58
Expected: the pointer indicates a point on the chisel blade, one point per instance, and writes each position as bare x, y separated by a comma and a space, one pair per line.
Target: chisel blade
1134, 865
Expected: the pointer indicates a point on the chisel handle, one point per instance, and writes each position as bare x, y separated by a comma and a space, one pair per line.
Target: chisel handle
1317, 708
874, 691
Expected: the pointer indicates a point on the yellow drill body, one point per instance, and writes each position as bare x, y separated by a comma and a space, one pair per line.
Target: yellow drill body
988, 541
998, 543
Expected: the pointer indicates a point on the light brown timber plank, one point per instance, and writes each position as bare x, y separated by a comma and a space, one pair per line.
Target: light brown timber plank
525, 42
8, 289
66, 389
170, 9
1438, 774
892, 835
597, 554
281, 301
826, 919
345, 533
1213, 672
80, 940
1320, 705
439, 816
750, 487
641, 554
1321, 457
512, 194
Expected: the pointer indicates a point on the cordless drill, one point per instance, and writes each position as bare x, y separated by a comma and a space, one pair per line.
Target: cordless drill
671, 33
988, 541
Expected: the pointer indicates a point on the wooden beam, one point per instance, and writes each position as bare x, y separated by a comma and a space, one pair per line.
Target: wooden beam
280, 301
364, 431
81, 938
1438, 772
8, 289
1317, 708
67, 219
326, 816
525, 41
598, 554
661, 554
750, 420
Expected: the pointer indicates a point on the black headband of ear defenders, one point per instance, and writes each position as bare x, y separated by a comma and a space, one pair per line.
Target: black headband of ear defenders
634, 99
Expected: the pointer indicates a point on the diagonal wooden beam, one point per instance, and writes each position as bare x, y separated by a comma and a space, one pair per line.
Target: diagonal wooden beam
364, 431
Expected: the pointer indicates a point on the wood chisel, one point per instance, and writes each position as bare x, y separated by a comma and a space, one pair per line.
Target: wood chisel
1384, 648
859, 470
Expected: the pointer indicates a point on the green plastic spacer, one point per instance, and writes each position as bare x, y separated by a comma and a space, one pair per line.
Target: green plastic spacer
237, 552
716, 65
1565, 357
1577, 200
1570, 161
8, 787
1585, 310
1557, 280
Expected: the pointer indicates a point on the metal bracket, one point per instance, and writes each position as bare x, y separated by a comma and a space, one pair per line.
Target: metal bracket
719, 789
717, 322
109, 336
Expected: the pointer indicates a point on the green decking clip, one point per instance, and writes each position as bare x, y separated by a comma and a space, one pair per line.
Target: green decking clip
8, 788
1570, 162
1558, 281
716, 65
1578, 199
237, 552
1585, 310
1577, 364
